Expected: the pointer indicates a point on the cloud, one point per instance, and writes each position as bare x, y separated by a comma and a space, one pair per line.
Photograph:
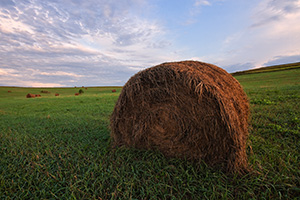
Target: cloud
202, 3
272, 11
283, 60
9, 25
100, 42
103, 38
238, 67
271, 32
8, 72
195, 10
60, 73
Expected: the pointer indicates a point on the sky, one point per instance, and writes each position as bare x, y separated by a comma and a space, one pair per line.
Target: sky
67, 43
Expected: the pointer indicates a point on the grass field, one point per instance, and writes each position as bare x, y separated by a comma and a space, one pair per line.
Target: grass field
59, 148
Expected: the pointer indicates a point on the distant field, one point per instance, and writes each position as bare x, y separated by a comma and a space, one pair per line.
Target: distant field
276, 79
269, 69
59, 148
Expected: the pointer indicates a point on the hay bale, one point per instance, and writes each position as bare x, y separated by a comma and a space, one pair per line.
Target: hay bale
45, 91
29, 95
185, 109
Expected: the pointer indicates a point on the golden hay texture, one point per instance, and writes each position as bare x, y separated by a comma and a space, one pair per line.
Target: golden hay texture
187, 109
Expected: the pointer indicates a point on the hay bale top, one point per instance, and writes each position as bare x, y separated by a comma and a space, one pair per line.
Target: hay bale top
193, 77
185, 109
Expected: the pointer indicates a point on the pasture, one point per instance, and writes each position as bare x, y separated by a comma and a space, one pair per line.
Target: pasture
58, 147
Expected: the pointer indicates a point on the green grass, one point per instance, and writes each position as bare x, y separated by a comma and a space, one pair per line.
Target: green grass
59, 148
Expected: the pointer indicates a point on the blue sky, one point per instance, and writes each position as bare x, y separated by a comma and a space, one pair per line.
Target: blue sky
66, 43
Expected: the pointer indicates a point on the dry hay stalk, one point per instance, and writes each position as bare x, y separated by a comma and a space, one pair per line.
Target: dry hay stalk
185, 109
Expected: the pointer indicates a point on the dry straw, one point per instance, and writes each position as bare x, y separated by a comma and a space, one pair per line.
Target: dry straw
187, 109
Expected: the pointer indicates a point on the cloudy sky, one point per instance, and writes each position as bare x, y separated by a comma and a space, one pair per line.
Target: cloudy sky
54, 43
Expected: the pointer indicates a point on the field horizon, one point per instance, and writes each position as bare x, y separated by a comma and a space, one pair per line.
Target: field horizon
270, 68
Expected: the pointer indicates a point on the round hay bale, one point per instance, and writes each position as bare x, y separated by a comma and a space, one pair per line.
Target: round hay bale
187, 109
29, 95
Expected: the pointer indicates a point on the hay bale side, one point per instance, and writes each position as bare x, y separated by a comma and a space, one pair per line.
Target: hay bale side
185, 109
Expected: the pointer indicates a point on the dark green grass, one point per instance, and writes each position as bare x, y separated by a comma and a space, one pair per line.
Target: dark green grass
59, 148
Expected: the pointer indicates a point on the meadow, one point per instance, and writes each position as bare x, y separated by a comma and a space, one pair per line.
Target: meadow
58, 147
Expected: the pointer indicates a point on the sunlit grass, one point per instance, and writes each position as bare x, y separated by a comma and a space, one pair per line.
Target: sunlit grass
59, 148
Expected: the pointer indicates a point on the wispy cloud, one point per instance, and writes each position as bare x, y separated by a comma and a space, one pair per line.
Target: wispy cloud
202, 3
60, 73
100, 42
9, 72
283, 59
273, 11
195, 10
100, 37
272, 32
